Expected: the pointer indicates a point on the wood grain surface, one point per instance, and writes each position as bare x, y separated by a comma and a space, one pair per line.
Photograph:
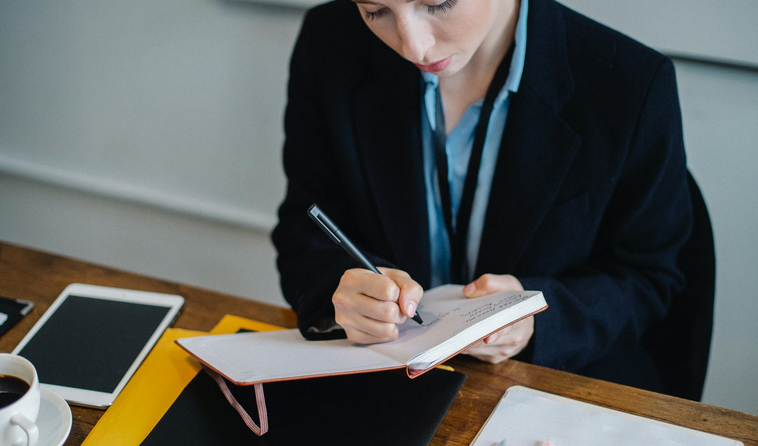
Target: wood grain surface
40, 277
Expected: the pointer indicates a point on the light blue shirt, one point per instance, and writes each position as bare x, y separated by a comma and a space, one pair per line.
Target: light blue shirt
459, 145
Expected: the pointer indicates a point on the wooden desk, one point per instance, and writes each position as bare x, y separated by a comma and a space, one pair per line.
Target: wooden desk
41, 277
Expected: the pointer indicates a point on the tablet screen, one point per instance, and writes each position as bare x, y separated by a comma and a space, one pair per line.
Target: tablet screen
91, 343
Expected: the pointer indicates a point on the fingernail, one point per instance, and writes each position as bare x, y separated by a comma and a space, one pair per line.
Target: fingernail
469, 289
410, 309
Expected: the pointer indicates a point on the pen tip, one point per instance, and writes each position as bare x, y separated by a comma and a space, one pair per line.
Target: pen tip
418, 319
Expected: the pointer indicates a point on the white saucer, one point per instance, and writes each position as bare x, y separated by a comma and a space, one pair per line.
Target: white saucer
54, 419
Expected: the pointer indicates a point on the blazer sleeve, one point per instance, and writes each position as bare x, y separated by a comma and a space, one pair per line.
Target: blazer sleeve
630, 279
310, 264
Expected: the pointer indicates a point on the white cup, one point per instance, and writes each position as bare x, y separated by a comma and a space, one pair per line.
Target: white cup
17, 420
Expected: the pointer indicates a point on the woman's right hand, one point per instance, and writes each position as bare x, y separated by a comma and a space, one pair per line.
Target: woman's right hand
370, 306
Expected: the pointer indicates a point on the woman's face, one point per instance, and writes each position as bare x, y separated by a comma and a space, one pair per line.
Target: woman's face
439, 36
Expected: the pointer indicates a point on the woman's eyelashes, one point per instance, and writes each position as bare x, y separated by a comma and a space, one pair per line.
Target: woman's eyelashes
442, 7
376, 14
431, 9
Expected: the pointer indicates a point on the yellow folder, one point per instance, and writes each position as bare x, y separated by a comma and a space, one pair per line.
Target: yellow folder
155, 386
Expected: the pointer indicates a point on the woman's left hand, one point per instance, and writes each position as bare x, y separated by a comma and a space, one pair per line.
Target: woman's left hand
509, 341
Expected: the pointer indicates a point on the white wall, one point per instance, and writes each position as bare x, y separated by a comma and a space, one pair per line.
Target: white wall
146, 135
721, 133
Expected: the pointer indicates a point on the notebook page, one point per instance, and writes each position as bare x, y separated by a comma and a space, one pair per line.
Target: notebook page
281, 354
451, 322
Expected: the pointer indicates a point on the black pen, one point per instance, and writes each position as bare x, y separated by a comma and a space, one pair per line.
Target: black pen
341, 239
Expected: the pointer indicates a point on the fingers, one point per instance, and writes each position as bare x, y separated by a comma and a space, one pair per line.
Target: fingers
504, 344
367, 305
486, 353
509, 341
378, 332
362, 281
410, 291
490, 283
491, 339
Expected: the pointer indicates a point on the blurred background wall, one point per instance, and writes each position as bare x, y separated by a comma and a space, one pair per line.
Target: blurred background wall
146, 136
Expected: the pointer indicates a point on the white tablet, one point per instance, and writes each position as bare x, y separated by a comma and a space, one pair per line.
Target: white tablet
92, 339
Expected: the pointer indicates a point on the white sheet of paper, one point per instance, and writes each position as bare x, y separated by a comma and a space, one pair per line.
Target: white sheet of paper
528, 417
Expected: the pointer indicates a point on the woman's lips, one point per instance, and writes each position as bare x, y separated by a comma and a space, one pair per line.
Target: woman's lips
435, 67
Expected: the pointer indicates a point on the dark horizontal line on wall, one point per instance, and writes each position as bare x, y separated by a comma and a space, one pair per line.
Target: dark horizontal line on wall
141, 195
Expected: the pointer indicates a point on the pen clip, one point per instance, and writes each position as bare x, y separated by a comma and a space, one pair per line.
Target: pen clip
324, 223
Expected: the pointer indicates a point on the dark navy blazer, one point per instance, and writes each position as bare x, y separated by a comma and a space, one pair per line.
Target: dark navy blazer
589, 201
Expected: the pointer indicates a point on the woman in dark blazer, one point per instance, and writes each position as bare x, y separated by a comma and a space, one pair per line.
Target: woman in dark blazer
587, 198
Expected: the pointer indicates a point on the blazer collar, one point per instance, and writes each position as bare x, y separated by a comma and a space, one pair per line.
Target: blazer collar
546, 69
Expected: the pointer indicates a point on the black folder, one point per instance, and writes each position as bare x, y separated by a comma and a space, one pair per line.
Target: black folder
381, 408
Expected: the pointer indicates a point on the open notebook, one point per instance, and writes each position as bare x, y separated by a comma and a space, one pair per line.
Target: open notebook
452, 323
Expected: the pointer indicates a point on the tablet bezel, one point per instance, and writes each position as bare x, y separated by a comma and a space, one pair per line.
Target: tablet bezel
92, 398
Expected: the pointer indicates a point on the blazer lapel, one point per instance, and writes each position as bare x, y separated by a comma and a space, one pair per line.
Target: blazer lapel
537, 148
388, 129
536, 152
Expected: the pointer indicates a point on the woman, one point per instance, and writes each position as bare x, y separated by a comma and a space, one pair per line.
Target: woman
567, 133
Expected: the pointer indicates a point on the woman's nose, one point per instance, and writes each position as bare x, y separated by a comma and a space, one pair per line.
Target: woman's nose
415, 37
